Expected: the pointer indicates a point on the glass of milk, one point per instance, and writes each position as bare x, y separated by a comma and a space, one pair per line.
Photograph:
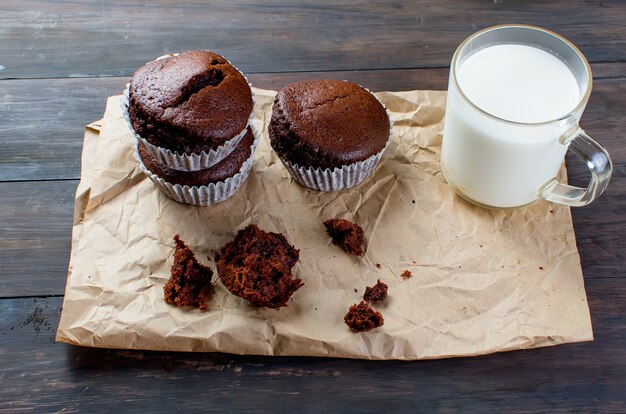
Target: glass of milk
515, 96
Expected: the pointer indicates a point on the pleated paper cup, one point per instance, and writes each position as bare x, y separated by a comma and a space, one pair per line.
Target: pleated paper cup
204, 195
187, 162
335, 179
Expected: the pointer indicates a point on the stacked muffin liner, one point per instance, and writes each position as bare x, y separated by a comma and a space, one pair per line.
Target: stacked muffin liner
339, 178
203, 195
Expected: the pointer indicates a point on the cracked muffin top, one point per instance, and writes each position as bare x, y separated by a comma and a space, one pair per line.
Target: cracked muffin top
189, 103
327, 124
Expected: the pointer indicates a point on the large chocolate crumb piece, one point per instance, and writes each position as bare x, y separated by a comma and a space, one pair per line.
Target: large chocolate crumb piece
376, 293
362, 317
348, 235
257, 266
407, 274
190, 282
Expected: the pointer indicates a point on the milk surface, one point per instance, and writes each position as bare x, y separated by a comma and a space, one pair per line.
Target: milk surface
519, 83
497, 163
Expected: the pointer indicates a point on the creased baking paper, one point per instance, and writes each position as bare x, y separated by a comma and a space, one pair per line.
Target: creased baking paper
482, 281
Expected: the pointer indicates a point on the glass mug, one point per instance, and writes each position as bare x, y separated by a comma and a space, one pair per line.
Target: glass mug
503, 147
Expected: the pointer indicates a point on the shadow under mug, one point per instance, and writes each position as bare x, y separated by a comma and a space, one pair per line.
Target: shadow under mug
498, 163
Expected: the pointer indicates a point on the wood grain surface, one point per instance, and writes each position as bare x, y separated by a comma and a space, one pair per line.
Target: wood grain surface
66, 38
573, 377
61, 59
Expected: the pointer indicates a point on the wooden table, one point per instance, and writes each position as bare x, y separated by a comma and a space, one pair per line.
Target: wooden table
61, 59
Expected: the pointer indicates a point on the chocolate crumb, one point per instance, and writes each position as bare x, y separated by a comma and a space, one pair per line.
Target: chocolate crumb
378, 265
256, 266
407, 274
540, 267
362, 317
355, 290
413, 201
190, 282
348, 235
378, 292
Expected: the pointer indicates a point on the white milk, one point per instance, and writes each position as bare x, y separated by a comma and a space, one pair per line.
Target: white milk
498, 163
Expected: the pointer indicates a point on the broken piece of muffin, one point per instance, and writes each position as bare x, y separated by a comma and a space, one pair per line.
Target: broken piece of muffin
256, 266
190, 282
348, 235
376, 293
362, 317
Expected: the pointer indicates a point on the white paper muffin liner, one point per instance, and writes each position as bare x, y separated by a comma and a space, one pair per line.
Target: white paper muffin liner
336, 179
204, 195
339, 178
187, 162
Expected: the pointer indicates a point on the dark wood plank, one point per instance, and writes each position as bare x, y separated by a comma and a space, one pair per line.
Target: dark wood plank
36, 217
54, 38
40, 375
36, 229
42, 120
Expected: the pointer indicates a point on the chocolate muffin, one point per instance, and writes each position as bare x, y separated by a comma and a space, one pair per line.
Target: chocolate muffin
190, 103
327, 124
226, 168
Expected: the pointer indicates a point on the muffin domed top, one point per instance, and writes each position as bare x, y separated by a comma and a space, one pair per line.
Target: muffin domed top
191, 102
327, 123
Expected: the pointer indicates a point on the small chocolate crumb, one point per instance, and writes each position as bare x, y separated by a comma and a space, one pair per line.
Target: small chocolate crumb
407, 274
481, 246
413, 201
378, 292
378, 265
348, 235
540, 267
355, 290
362, 317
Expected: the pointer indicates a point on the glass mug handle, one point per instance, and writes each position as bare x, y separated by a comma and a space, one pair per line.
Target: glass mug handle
600, 166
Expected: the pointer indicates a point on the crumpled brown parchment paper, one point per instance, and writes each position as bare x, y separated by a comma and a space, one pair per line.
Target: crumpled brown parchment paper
483, 281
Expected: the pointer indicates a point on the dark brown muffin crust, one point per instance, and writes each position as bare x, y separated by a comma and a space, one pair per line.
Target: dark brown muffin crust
362, 318
224, 169
327, 124
189, 103
348, 235
190, 282
257, 266
376, 293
